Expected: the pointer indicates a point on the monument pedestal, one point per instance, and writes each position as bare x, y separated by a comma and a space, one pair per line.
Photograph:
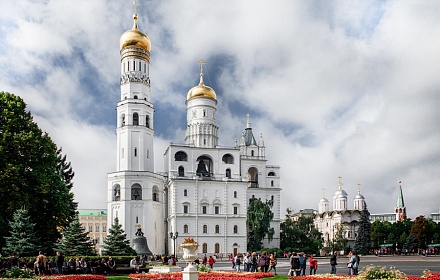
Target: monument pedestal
190, 273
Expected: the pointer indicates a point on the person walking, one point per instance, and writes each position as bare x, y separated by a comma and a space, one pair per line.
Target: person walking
303, 263
60, 262
42, 263
237, 261
272, 263
313, 265
333, 263
352, 263
211, 262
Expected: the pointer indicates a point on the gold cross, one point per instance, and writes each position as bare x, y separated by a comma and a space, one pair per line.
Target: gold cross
135, 3
201, 62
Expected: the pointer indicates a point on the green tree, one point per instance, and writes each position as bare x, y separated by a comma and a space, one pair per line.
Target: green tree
362, 244
380, 230
22, 238
75, 241
339, 240
259, 216
418, 230
64, 169
116, 242
300, 235
28, 177
411, 243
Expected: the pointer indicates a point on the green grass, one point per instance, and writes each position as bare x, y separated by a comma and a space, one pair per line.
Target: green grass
118, 277
278, 277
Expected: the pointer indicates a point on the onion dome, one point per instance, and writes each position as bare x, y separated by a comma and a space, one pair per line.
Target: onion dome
201, 91
359, 196
134, 38
340, 194
323, 200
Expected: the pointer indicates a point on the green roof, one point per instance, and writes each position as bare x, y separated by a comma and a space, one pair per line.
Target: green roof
92, 212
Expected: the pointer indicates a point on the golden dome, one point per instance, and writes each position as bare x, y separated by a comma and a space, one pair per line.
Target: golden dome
134, 38
201, 91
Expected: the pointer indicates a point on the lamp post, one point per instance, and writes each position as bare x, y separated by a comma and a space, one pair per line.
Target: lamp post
174, 236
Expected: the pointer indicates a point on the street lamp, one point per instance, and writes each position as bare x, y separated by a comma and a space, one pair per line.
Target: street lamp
174, 236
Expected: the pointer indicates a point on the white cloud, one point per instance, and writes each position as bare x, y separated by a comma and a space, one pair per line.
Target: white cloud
337, 89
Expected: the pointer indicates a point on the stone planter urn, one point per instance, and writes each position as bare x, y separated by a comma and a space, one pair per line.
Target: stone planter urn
189, 251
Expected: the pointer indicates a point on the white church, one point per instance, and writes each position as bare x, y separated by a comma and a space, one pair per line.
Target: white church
204, 190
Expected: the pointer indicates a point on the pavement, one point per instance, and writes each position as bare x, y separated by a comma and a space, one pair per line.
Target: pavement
410, 265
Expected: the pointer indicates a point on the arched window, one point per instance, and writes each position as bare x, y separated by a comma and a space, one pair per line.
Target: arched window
136, 192
204, 248
116, 193
235, 229
181, 171
217, 248
155, 193
252, 153
228, 159
271, 173
204, 166
123, 120
205, 229
185, 228
135, 97
135, 119
235, 194
253, 177
272, 198
217, 229
185, 192
228, 173
147, 121
180, 156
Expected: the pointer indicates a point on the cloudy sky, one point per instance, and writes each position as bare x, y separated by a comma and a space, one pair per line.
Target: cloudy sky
338, 88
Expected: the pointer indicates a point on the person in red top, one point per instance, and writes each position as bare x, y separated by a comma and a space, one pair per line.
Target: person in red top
211, 261
313, 265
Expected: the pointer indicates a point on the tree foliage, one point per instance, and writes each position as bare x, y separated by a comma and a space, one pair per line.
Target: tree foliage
22, 238
116, 242
418, 230
259, 217
362, 244
339, 240
64, 169
300, 235
28, 173
75, 241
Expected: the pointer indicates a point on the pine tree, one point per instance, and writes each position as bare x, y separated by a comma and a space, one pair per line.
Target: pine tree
64, 169
362, 244
75, 241
22, 240
116, 243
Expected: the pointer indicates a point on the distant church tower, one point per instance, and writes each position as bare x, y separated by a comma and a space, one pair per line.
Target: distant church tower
135, 192
400, 209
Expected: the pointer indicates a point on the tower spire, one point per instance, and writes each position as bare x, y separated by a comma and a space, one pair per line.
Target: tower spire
359, 188
400, 205
340, 183
201, 63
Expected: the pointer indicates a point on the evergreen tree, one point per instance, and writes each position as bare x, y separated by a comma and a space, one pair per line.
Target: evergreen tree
116, 243
28, 177
22, 239
259, 216
64, 169
75, 241
362, 244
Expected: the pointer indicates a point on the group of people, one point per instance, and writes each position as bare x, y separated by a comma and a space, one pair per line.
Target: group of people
253, 262
298, 264
41, 265
352, 264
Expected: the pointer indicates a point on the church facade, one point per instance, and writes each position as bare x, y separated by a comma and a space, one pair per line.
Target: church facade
204, 190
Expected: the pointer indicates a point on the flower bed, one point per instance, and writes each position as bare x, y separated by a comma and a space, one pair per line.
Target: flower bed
204, 276
425, 276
